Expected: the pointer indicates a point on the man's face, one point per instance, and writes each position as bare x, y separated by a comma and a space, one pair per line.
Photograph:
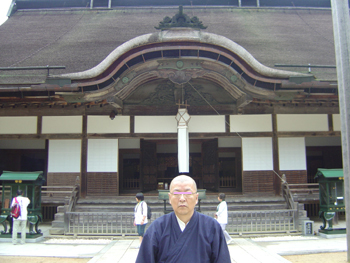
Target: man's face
183, 204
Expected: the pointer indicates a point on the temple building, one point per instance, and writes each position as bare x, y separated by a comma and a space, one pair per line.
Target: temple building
107, 90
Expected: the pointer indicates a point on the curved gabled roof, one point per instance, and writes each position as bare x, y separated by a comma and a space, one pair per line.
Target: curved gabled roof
181, 55
178, 36
107, 54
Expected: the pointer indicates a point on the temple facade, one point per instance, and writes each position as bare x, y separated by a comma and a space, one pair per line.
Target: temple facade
95, 92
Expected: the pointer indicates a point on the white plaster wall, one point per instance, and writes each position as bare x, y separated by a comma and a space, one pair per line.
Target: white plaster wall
103, 124
102, 155
64, 156
129, 143
302, 122
22, 144
18, 125
155, 124
336, 122
251, 123
257, 154
207, 124
292, 153
229, 142
62, 124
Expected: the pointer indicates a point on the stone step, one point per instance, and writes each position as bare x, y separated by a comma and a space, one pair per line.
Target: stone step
59, 216
57, 224
127, 200
56, 231
60, 209
208, 206
160, 207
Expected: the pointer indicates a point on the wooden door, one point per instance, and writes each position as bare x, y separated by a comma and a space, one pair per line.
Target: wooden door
148, 175
210, 160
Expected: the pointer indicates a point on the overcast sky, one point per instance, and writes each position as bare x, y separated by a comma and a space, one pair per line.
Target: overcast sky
4, 7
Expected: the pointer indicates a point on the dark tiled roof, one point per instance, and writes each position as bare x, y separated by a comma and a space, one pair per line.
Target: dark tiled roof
81, 38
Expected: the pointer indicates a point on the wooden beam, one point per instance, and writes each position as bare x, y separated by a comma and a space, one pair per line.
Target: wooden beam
275, 153
255, 107
115, 102
42, 136
244, 100
167, 135
310, 134
83, 171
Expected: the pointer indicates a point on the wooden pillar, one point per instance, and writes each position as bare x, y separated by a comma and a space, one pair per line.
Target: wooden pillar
39, 125
227, 123
330, 122
275, 154
46, 159
83, 171
132, 124
341, 33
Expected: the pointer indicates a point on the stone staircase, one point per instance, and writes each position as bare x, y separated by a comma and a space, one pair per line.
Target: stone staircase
208, 206
57, 225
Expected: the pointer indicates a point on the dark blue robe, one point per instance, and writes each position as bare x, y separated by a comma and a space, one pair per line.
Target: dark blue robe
202, 241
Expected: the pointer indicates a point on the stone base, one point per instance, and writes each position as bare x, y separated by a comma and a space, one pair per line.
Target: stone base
56, 231
30, 238
334, 233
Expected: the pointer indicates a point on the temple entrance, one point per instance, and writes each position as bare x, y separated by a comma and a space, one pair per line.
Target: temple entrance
155, 164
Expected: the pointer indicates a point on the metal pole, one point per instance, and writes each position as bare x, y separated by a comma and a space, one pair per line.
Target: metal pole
239, 3
341, 32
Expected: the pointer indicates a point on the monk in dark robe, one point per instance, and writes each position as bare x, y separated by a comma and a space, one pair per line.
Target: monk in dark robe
184, 235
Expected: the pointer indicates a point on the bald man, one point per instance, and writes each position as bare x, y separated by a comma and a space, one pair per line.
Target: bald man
184, 235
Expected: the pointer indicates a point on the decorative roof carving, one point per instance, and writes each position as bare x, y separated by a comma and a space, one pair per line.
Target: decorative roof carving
180, 20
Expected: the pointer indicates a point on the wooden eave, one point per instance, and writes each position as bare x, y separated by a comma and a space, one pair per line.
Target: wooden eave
140, 65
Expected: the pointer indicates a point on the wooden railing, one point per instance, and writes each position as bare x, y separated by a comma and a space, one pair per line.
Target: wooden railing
61, 193
56, 191
288, 190
129, 183
74, 196
227, 181
103, 223
53, 192
121, 223
287, 194
309, 188
261, 221
71, 202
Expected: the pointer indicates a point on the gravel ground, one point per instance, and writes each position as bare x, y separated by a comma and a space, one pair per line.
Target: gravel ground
337, 257
8, 259
78, 241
